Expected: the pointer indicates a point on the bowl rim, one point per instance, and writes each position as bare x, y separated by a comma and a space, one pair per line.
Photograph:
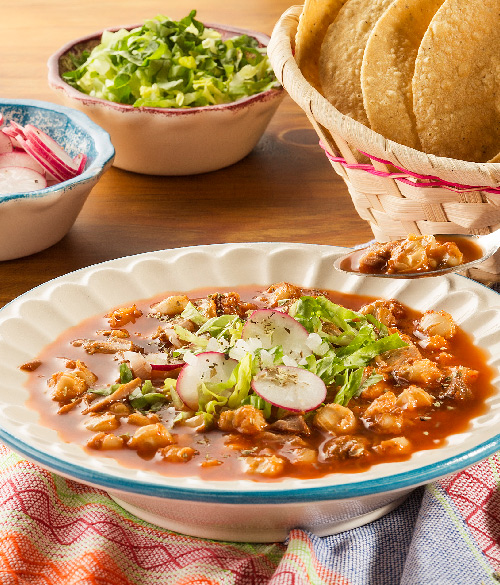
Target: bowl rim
101, 138
406, 480
245, 491
57, 83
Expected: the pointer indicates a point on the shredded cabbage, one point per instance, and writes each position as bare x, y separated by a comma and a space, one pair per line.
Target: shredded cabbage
170, 64
341, 360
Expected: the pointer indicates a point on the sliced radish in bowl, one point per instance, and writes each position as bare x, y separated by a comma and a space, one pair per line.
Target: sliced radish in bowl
41, 159
45, 142
47, 156
20, 159
9, 131
274, 328
209, 366
80, 161
5, 143
20, 180
162, 362
16, 128
151, 364
293, 389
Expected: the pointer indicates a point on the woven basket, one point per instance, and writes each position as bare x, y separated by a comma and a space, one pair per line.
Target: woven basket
455, 197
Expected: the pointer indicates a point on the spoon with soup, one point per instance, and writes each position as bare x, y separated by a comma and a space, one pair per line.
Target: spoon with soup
420, 256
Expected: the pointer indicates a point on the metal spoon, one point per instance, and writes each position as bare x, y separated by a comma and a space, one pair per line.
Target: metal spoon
488, 245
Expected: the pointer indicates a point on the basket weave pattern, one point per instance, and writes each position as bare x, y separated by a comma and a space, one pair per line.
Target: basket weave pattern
393, 208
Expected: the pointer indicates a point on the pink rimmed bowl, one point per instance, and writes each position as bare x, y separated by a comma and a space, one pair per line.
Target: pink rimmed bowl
171, 141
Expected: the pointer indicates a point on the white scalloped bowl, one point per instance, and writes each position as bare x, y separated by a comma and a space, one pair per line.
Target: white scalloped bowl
240, 510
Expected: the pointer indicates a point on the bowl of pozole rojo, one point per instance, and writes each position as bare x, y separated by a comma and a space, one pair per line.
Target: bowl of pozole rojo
252, 381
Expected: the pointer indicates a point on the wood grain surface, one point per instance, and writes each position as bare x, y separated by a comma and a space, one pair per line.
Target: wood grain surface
285, 190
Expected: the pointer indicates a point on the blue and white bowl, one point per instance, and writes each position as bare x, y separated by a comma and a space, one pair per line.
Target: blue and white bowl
33, 221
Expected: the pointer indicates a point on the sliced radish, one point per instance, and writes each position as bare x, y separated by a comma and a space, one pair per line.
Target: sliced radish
20, 180
13, 129
12, 137
20, 158
18, 128
291, 388
37, 151
9, 131
49, 157
273, 328
209, 366
53, 172
151, 365
166, 367
80, 161
5, 143
45, 141
162, 362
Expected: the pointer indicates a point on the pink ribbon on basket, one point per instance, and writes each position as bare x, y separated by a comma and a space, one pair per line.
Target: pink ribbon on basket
431, 181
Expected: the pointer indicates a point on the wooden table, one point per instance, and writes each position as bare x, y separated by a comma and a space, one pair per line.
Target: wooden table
285, 190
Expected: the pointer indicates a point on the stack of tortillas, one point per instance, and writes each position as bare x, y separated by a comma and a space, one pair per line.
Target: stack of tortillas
423, 73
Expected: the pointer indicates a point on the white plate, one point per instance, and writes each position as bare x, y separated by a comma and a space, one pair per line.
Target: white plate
207, 508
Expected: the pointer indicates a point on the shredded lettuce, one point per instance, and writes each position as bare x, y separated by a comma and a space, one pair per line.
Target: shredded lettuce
170, 64
147, 397
186, 335
344, 343
259, 403
170, 391
125, 373
225, 325
191, 313
351, 383
370, 381
243, 373
361, 338
363, 355
106, 391
380, 326
211, 397
311, 311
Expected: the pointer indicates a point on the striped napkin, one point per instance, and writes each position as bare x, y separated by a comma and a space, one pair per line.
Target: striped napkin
55, 531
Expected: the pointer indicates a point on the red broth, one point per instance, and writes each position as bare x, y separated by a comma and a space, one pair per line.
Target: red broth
426, 432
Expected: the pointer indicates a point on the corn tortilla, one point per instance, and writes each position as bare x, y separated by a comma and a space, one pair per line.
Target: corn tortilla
456, 85
342, 55
314, 20
388, 67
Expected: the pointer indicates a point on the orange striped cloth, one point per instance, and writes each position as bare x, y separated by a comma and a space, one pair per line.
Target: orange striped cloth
55, 531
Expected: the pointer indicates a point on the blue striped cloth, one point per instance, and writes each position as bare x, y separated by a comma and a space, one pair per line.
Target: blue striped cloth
447, 533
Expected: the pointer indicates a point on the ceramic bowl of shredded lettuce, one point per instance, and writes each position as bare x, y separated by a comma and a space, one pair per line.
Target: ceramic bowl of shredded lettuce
177, 97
